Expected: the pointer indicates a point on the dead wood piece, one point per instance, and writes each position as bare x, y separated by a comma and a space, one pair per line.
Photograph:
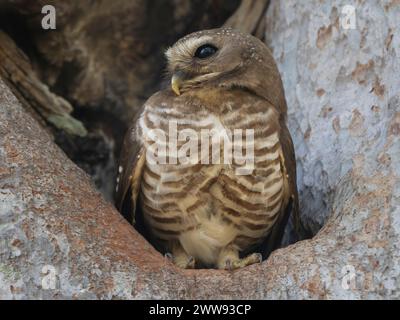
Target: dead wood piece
249, 17
16, 69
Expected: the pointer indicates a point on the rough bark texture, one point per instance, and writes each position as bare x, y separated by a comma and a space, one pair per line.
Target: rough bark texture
342, 89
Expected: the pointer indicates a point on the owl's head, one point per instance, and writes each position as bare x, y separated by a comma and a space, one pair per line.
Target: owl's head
223, 58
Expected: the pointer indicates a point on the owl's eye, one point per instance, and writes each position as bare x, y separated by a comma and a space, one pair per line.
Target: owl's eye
205, 51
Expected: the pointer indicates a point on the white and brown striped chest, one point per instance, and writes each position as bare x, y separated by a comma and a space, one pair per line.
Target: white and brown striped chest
210, 204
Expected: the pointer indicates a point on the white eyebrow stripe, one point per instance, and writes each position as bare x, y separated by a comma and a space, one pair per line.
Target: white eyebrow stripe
188, 46
193, 43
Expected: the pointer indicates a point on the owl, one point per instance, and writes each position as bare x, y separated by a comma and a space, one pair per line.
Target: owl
202, 203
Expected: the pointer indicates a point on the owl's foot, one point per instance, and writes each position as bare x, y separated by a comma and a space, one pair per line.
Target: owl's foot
180, 258
185, 262
246, 261
169, 257
229, 260
181, 261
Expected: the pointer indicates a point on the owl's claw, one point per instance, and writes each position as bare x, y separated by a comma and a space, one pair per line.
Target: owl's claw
240, 263
187, 262
181, 261
169, 257
191, 263
228, 264
257, 257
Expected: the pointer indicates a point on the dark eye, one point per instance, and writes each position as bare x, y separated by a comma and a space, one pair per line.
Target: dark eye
205, 51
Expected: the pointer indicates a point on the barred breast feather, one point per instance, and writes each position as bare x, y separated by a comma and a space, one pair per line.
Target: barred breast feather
206, 207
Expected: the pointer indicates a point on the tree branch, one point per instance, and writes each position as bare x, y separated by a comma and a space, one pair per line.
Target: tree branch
16, 69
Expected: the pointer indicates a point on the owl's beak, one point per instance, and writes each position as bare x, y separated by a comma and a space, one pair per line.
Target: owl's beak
176, 82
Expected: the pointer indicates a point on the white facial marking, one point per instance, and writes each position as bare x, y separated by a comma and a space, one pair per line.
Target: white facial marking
187, 46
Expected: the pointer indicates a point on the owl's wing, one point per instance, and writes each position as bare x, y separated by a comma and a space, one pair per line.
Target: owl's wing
288, 167
288, 161
130, 172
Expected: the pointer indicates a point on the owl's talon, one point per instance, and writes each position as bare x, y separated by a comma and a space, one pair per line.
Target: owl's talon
169, 257
250, 259
191, 263
228, 264
185, 262
181, 260
240, 263
258, 257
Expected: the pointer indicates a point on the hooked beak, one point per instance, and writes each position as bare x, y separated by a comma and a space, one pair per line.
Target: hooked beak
176, 82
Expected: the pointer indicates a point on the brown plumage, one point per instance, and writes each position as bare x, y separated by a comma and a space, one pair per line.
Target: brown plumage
208, 214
